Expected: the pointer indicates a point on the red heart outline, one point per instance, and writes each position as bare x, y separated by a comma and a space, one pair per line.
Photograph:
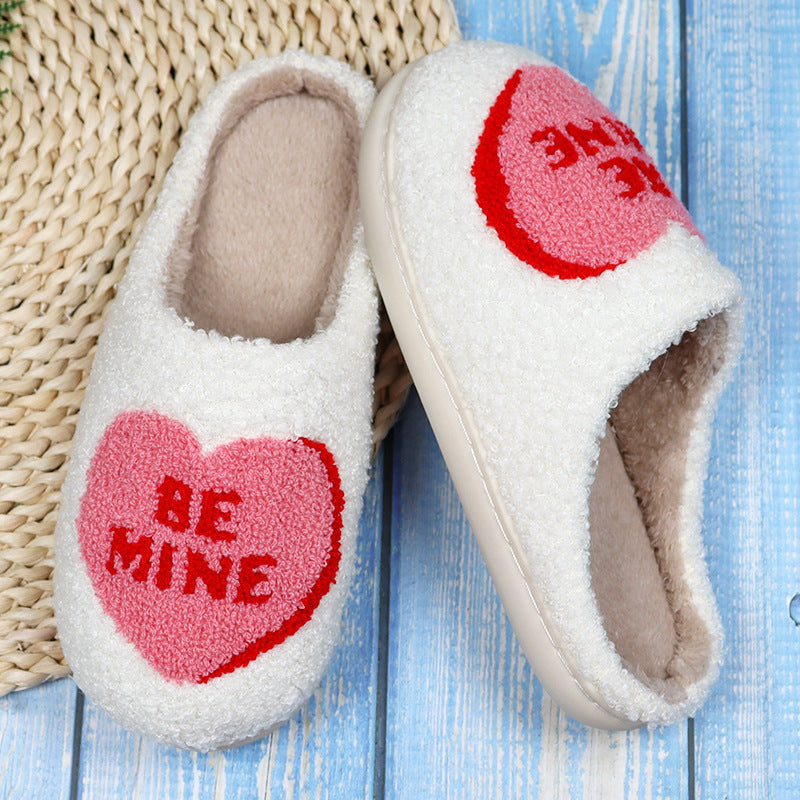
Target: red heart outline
602, 200
324, 582
493, 195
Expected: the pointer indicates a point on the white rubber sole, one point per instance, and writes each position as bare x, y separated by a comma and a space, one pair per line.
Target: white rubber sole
455, 429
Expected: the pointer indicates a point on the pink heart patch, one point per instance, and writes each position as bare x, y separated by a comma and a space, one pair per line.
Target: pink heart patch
566, 185
205, 561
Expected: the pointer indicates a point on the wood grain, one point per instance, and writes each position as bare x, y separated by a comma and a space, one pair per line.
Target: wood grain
36, 741
744, 108
459, 688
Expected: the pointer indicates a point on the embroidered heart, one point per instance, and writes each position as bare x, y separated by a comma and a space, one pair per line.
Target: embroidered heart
566, 185
205, 561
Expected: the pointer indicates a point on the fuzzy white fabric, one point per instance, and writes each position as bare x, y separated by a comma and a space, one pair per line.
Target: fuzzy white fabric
539, 362
222, 389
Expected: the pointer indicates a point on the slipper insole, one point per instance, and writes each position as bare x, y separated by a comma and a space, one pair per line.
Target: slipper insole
272, 220
626, 578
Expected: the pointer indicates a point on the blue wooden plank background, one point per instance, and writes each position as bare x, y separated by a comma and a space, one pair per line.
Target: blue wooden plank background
744, 154
429, 695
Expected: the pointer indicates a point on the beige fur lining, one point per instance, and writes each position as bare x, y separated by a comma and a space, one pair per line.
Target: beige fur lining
625, 574
263, 250
636, 562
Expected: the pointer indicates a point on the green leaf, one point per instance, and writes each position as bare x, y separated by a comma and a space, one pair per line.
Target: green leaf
7, 6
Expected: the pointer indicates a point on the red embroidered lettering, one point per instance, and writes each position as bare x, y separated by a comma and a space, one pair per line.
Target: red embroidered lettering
174, 502
557, 144
165, 563
128, 552
626, 135
211, 514
627, 175
251, 576
197, 568
651, 173
586, 136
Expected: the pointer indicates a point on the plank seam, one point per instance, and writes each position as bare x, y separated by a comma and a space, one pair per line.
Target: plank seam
77, 728
384, 593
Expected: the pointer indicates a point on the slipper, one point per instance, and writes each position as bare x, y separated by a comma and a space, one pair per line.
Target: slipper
569, 334
205, 541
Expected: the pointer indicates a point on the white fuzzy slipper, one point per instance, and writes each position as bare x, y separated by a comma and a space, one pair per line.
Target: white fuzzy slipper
569, 334
205, 542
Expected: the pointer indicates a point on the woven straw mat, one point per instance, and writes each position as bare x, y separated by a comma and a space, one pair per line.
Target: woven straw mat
99, 95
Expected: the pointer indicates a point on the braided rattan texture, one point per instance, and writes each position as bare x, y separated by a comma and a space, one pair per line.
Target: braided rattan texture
99, 94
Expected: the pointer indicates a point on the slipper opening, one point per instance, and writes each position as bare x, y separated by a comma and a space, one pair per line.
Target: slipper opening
263, 251
635, 513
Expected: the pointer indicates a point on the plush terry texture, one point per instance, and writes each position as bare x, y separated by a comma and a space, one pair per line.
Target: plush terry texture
541, 362
223, 390
204, 562
566, 185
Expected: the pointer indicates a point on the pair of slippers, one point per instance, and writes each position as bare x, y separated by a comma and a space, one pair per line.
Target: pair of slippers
568, 332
